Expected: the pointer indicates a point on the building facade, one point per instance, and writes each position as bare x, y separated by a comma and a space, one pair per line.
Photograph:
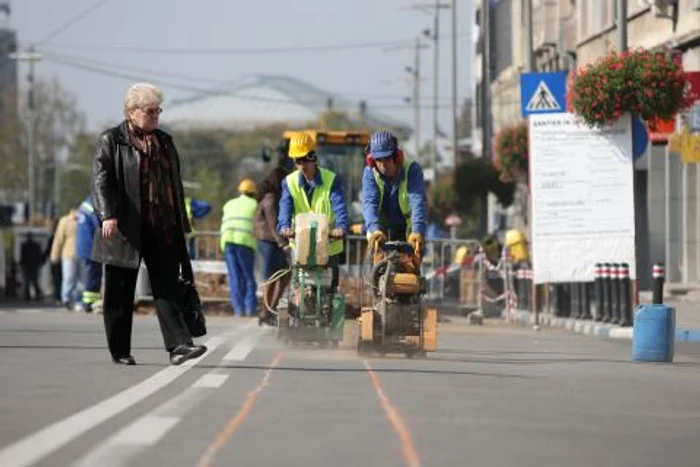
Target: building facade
571, 33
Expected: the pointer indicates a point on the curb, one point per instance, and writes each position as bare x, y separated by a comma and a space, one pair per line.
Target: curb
590, 328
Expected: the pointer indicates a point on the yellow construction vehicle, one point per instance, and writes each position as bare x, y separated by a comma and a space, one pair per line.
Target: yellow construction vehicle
343, 152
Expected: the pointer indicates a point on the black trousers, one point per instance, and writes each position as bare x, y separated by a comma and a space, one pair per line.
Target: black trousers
31, 279
163, 266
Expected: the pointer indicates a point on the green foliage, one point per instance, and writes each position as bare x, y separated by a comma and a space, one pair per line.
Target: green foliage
511, 150
648, 83
474, 179
460, 193
13, 176
76, 172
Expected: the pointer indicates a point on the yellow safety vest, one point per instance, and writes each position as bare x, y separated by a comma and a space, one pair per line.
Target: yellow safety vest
404, 204
188, 209
237, 223
320, 202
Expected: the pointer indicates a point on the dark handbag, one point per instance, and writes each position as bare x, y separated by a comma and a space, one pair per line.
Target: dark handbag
193, 314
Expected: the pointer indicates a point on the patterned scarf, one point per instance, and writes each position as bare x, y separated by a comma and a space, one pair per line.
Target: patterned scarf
158, 212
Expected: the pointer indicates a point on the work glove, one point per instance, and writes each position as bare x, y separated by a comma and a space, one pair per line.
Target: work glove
337, 233
416, 240
376, 239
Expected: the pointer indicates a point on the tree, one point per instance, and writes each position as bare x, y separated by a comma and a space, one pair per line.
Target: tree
13, 176
76, 172
58, 122
474, 179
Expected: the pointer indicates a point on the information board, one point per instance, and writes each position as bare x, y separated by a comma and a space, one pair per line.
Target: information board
582, 197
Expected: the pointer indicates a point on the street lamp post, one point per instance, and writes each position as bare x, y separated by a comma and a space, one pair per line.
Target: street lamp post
31, 57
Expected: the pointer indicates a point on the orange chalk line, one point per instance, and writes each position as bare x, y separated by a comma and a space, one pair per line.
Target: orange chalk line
408, 450
235, 423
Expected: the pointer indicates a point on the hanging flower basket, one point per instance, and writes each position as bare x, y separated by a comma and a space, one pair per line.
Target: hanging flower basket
511, 151
647, 83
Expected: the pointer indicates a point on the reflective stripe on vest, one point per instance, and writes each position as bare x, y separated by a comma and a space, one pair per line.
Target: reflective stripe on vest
188, 210
90, 297
320, 202
237, 223
87, 207
404, 204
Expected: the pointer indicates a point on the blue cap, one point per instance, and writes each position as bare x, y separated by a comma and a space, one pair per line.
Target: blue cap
383, 144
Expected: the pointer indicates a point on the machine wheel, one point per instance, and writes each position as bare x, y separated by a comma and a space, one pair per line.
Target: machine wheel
418, 353
364, 348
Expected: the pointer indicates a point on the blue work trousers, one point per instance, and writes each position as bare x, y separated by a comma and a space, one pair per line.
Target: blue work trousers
91, 281
240, 262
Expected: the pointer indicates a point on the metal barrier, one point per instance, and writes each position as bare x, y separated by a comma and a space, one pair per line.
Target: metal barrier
450, 284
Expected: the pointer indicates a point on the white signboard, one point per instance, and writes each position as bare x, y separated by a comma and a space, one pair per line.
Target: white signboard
582, 197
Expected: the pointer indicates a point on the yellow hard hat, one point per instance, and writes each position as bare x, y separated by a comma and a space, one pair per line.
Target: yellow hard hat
300, 145
513, 237
461, 254
247, 186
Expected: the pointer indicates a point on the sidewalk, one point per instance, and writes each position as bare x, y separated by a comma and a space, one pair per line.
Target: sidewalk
687, 322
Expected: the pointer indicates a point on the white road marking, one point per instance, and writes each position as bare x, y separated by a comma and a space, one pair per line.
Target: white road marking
146, 431
40, 444
120, 449
210, 380
241, 350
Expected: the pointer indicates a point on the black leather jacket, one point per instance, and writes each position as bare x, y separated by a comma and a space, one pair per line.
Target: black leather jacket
116, 191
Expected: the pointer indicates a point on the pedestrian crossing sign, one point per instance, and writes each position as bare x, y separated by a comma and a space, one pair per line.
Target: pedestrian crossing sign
542, 93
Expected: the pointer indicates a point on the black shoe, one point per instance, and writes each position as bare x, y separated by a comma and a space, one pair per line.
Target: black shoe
128, 360
182, 353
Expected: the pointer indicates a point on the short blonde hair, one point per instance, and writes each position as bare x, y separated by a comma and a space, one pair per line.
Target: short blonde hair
140, 95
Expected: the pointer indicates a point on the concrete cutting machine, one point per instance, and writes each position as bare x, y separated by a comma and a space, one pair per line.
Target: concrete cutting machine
396, 321
313, 312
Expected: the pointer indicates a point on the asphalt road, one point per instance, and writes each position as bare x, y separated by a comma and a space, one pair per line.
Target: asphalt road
491, 396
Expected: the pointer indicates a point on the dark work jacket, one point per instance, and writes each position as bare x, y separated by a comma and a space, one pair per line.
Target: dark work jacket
116, 191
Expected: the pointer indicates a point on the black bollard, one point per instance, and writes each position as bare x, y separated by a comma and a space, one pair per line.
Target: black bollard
517, 289
573, 287
659, 276
625, 295
527, 276
614, 292
585, 301
521, 289
558, 300
598, 292
607, 298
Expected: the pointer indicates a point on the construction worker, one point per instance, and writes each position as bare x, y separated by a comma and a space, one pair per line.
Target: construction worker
393, 195
196, 209
313, 189
87, 224
239, 245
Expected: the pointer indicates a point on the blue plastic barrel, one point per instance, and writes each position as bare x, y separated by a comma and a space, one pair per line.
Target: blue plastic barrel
654, 335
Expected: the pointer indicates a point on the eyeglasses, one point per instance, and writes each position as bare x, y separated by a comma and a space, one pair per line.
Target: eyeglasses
152, 112
311, 157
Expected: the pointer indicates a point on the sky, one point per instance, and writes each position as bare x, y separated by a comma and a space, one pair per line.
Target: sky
184, 46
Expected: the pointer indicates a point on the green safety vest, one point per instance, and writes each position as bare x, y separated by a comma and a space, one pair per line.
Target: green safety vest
188, 209
237, 223
404, 204
320, 202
